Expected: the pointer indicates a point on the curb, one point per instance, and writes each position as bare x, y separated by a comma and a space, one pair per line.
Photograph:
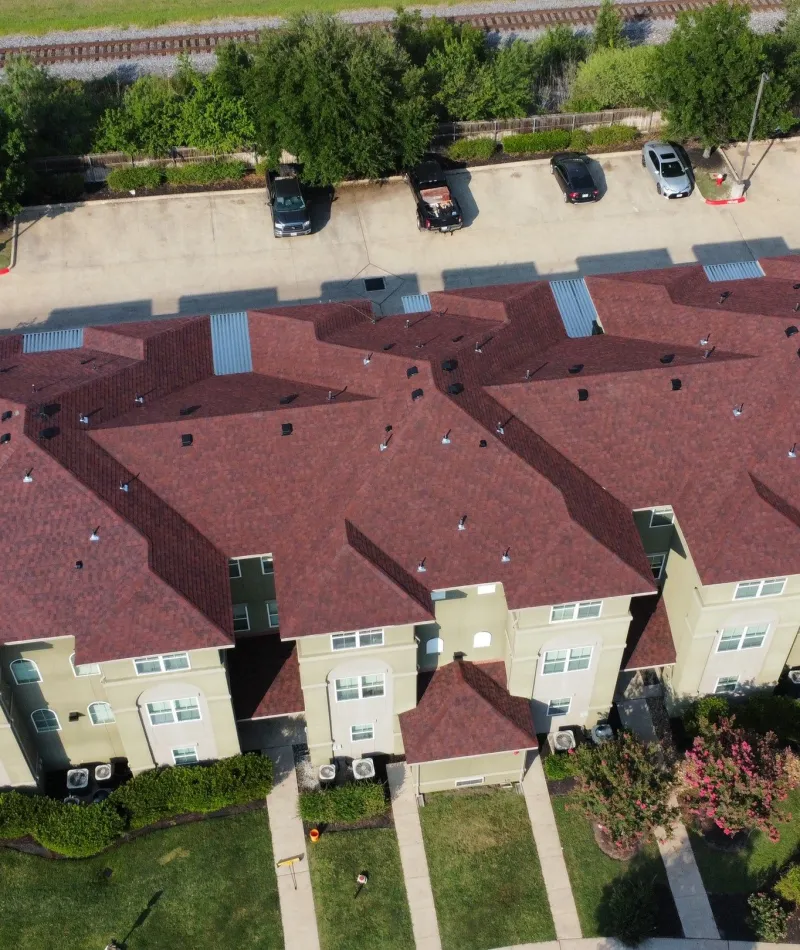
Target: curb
725, 201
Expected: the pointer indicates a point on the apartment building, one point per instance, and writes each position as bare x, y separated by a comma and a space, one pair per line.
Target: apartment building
435, 535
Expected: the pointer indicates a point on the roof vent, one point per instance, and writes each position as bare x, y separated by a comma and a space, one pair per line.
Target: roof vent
421, 566
187, 439
416, 394
454, 389
795, 286
188, 410
411, 371
666, 358
95, 535
707, 353
286, 428
27, 477
83, 419
583, 395
738, 410
79, 565
573, 370
500, 429
49, 433
385, 444
506, 556
462, 523
724, 296
705, 339
483, 443
792, 453
790, 331
6, 415
446, 437
5, 437
459, 655
139, 400
449, 365
286, 400
372, 284
676, 385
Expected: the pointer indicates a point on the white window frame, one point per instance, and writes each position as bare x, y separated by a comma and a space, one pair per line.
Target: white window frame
22, 659
577, 606
471, 780
161, 657
184, 749
270, 624
363, 725
359, 686
661, 564
174, 711
234, 562
93, 668
434, 646
485, 636
745, 633
567, 659
559, 702
760, 588
726, 692
486, 588
664, 511
44, 709
103, 722
267, 559
238, 619
356, 637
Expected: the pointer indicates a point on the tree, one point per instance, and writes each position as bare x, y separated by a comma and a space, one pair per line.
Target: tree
212, 116
147, 123
460, 77
347, 104
12, 151
608, 27
613, 79
706, 76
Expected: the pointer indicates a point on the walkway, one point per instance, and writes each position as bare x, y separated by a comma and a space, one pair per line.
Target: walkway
288, 841
412, 857
551, 856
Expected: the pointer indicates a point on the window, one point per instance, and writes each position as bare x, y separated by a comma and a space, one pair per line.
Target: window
559, 707
569, 661
464, 782
742, 638
173, 710
481, 639
358, 638
766, 588
434, 645
359, 687
25, 671
84, 669
662, 517
272, 613
726, 684
657, 562
362, 733
241, 618
234, 568
101, 714
582, 610
45, 720
267, 566
487, 588
161, 663
438, 595
185, 755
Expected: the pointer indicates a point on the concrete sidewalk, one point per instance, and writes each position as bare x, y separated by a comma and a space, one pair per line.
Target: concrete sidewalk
412, 857
288, 840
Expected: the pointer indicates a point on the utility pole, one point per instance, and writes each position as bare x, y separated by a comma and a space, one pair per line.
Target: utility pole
764, 79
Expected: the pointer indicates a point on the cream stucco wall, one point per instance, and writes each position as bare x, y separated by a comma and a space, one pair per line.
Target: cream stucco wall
499, 768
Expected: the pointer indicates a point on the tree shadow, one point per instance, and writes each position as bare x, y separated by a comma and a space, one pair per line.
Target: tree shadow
639, 897
140, 920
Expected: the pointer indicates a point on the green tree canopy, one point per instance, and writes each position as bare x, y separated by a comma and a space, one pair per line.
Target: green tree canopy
706, 76
147, 123
613, 79
12, 151
608, 27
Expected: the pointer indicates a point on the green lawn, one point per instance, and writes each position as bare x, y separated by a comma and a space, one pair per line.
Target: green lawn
745, 871
5, 248
208, 882
379, 916
485, 873
592, 873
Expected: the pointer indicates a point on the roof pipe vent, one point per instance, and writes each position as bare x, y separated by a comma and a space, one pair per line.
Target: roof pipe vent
506, 556
676, 385
790, 331
421, 566
738, 410
583, 395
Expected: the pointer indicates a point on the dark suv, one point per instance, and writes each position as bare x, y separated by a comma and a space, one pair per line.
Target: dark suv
571, 171
290, 212
437, 209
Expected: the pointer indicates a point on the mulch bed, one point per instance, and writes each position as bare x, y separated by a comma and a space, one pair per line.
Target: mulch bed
713, 835
379, 821
561, 786
607, 846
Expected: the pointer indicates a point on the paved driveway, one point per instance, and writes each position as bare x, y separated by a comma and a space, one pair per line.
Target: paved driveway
195, 254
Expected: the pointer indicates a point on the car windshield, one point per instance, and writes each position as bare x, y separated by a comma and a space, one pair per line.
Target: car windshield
289, 203
672, 169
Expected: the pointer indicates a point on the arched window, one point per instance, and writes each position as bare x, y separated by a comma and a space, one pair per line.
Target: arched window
25, 671
436, 645
482, 639
101, 713
45, 720
84, 669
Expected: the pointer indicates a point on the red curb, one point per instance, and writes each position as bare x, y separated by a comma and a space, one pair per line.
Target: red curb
724, 201
4, 270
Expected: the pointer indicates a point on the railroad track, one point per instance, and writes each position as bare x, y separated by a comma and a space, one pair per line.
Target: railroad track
52, 54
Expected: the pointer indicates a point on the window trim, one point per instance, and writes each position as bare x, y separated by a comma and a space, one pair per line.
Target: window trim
470, 780
577, 606
486, 589
567, 660
742, 637
363, 725
160, 657
101, 702
45, 709
725, 692
561, 701
269, 558
663, 555
231, 562
22, 659
246, 618
183, 748
75, 666
356, 635
359, 677
662, 510
761, 582
175, 721
270, 624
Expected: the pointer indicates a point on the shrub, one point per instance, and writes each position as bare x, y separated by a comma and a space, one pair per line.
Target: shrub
767, 918
204, 173
78, 831
614, 135
134, 177
788, 887
560, 765
737, 779
612, 79
764, 712
343, 803
703, 713
551, 140
630, 910
466, 149
624, 785
166, 792
18, 813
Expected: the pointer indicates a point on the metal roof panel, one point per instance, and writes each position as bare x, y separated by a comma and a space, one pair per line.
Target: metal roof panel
230, 343
744, 270
578, 313
51, 340
416, 303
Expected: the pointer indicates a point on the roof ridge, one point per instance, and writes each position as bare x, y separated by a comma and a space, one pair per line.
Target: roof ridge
488, 689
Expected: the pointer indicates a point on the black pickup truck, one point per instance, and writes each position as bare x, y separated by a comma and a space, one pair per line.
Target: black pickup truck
437, 209
290, 213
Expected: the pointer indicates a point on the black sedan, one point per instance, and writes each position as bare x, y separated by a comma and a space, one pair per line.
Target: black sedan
437, 208
574, 178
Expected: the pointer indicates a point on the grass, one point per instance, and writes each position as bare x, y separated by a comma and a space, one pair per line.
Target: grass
485, 873
707, 185
745, 871
211, 877
379, 916
5, 248
593, 873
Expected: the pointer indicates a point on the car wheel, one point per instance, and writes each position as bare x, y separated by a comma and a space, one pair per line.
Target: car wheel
658, 188
644, 163
552, 170
566, 198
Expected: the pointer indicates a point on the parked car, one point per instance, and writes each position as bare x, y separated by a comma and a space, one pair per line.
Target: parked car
437, 209
290, 210
666, 164
571, 171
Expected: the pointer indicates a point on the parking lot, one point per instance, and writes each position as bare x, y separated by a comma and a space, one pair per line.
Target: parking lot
205, 253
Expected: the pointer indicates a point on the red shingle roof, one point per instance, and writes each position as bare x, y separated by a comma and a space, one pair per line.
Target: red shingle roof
265, 677
650, 642
467, 710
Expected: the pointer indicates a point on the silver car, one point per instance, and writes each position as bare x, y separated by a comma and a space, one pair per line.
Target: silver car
672, 176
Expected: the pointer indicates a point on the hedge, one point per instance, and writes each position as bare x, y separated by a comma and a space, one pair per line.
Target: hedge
72, 830
343, 803
551, 140
204, 173
137, 176
614, 135
466, 149
579, 140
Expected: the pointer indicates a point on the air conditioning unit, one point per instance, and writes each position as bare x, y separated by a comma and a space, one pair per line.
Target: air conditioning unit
561, 741
794, 677
102, 772
77, 779
363, 768
601, 733
72, 800
100, 795
327, 773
